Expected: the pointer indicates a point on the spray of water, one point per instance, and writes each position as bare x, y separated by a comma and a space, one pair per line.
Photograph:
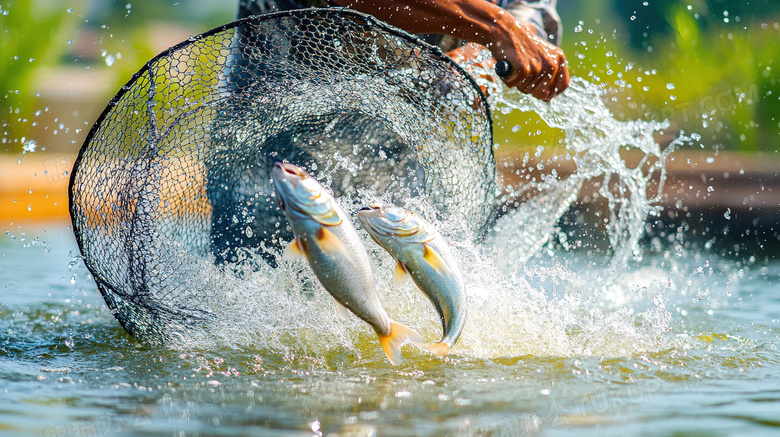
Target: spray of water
516, 307
593, 139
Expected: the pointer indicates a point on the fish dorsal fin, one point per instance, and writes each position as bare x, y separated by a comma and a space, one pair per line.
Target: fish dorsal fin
432, 257
294, 251
343, 311
400, 275
329, 243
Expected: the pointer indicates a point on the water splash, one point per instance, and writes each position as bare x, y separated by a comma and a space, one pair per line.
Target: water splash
515, 308
546, 311
30, 146
593, 139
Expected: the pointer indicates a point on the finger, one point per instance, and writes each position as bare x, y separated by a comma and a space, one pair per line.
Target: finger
558, 83
549, 71
532, 86
562, 79
542, 89
514, 80
525, 78
543, 81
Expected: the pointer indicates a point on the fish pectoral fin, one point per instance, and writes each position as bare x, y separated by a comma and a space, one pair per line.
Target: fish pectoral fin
432, 257
399, 335
294, 251
400, 275
343, 311
329, 243
439, 349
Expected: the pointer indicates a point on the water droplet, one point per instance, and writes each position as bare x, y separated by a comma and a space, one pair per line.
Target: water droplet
110, 60
29, 146
727, 214
670, 86
70, 10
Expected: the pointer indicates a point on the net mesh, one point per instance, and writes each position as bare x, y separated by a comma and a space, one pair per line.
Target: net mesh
177, 168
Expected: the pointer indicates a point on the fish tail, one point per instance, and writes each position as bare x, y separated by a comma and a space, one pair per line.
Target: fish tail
439, 349
399, 335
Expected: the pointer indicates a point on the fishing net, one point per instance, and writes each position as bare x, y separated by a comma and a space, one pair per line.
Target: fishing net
177, 168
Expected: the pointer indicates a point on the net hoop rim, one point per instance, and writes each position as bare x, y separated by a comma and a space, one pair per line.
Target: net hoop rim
307, 12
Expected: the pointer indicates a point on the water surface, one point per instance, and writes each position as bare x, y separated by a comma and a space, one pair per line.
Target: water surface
704, 332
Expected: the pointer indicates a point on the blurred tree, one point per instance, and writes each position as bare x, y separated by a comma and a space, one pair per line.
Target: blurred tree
646, 19
33, 35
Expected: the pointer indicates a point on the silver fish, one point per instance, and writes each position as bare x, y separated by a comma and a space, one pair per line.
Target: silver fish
327, 239
423, 254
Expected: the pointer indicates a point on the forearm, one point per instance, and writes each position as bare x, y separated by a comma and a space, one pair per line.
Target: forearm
538, 67
471, 20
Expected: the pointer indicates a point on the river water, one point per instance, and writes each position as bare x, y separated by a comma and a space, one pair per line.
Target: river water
681, 343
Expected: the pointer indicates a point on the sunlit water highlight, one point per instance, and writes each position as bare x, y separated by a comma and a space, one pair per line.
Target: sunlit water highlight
558, 343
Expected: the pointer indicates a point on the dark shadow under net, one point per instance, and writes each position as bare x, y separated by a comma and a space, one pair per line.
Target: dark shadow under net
176, 171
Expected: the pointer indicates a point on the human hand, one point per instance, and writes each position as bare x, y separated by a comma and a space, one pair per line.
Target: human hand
538, 67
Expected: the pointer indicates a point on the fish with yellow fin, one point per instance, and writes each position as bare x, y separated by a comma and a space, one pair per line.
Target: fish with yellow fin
327, 239
423, 254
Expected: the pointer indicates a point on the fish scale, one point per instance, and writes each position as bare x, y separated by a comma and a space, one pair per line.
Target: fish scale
423, 254
326, 238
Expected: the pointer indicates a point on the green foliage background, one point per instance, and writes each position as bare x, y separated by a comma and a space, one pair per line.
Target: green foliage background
710, 66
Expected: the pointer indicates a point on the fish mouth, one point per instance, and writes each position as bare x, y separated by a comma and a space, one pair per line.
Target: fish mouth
365, 216
285, 174
368, 213
290, 169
